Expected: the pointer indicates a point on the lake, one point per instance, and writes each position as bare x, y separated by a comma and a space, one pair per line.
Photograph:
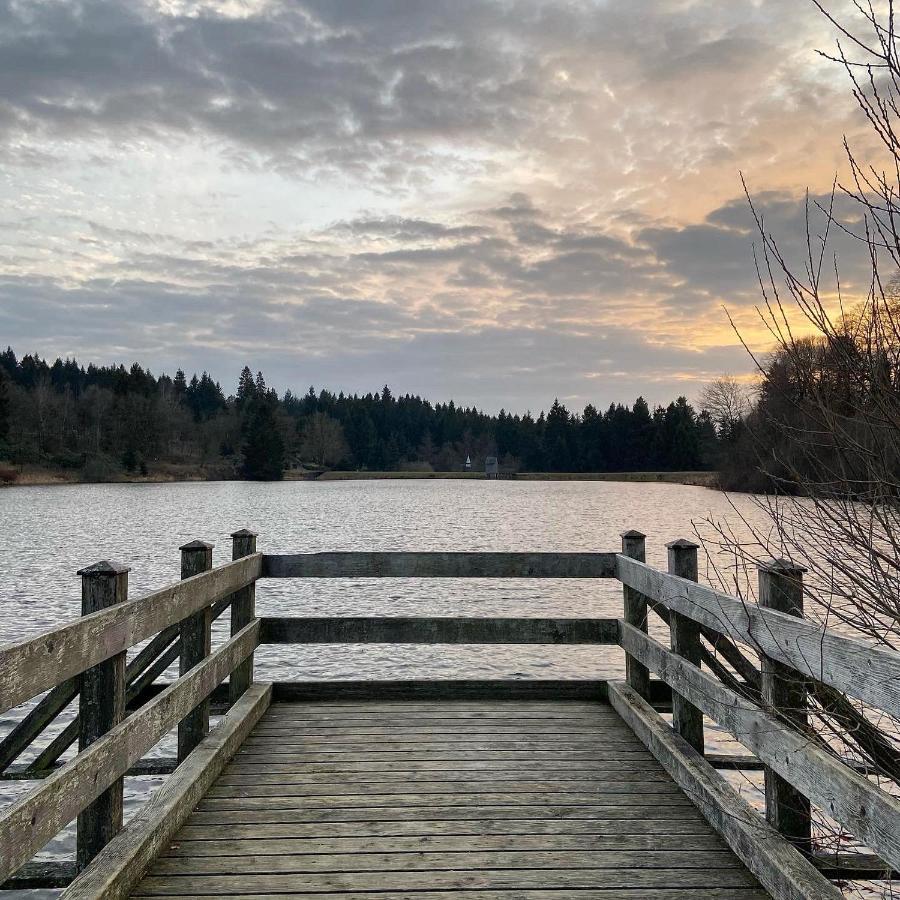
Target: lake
51, 532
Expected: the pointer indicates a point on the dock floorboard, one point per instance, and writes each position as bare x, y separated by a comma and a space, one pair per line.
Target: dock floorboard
413, 800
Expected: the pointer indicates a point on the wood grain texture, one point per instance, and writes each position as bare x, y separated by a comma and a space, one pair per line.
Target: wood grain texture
870, 674
730, 893
37, 664
782, 870
196, 642
684, 632
439, 565
243, 611
444, 689
634, 605
436, 630
344, 822
28, 823
855, 802
785, 693
121, 864
101, 707
566, 879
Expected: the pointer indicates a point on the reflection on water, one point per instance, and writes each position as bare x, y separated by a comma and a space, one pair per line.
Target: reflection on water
51, 532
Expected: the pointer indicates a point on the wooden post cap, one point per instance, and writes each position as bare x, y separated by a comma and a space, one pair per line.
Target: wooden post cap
682, 544
197, 545
104, 567
244, 533
781, 567
633, 534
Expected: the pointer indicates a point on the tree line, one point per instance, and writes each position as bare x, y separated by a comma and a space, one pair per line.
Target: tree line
105, 420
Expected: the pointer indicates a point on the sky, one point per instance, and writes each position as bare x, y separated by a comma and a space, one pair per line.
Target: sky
496, 201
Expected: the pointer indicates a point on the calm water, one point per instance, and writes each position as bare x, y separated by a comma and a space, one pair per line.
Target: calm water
51, 532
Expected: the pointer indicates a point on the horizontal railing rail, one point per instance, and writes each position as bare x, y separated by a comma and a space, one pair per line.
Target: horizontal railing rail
868, 673
439, 565
441, 630
34, 665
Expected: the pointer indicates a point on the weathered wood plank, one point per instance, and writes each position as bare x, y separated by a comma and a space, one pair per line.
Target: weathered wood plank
149, 766
459, 879
426, 861
256, 847
583, 774
687, 822
450, 689
854, 866
437, 630
413, 706
123, 862
596, 723
370, 800
729, 893
870, 674
447, 753
861, 807
439, 565
780, 868
328, 747
242, 772
35, 876
637, 808
27, 824
602, 731
288, 791
37, 719
37, 664
442, 711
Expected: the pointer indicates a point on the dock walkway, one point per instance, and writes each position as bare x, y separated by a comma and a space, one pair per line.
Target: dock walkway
483, 790
411, 799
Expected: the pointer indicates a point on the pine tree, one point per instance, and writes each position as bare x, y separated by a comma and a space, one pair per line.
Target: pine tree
263, 447
246, 388
4, 408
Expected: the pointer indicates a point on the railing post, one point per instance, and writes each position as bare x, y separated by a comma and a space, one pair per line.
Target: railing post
687, 720
636, 674
101, 707
243, 611
785, 690
196, 642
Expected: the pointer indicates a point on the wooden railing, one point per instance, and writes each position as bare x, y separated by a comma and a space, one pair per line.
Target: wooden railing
123, 713
766, 709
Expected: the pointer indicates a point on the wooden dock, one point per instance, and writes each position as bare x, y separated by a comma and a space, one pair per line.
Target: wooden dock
409, 798
486, 790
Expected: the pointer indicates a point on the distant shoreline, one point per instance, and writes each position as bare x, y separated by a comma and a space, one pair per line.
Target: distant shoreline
700, 479
34, 477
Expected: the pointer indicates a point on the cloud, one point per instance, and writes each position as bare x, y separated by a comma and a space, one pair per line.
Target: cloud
474, 311
497, 201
